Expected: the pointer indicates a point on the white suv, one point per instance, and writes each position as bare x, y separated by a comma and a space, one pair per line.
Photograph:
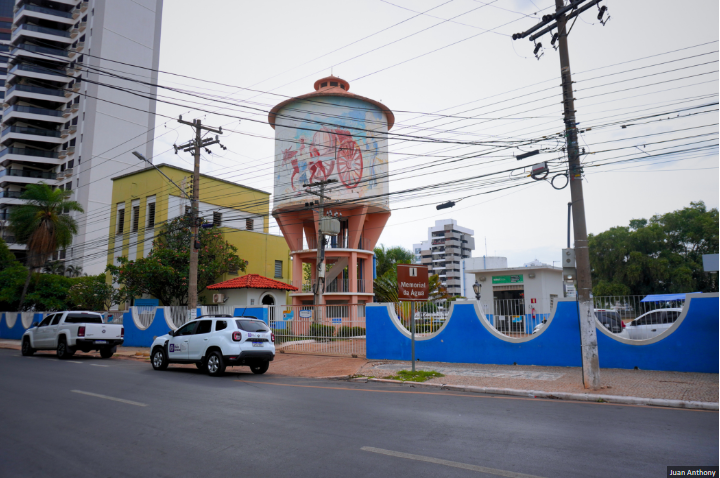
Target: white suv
213, 343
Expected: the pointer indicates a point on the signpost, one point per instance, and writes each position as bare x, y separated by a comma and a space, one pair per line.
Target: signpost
412, 287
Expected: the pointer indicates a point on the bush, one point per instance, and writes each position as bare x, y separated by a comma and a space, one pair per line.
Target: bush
320, 330
347, 331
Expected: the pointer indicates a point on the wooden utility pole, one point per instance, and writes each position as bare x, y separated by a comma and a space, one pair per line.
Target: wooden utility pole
588, 335
319, 286
195, 145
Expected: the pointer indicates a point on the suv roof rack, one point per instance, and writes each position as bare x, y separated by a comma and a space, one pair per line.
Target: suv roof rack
214, 316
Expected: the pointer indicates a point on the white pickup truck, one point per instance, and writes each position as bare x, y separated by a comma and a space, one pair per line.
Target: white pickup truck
68, 332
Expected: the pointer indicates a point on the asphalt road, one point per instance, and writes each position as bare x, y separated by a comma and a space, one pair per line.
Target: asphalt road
117, 418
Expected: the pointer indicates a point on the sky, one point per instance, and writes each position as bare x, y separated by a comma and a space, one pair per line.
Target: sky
646, 84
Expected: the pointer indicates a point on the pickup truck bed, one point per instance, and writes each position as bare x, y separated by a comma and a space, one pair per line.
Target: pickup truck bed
68, 332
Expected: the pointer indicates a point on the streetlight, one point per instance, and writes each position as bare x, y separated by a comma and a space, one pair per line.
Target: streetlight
476, 288
143, 158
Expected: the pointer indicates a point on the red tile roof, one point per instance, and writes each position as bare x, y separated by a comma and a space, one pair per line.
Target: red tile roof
252, 281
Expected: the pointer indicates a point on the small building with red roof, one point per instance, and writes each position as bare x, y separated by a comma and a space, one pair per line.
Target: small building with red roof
253, 290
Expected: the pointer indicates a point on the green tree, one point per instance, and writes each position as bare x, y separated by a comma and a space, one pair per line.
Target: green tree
387, 259
94, 293
7, 258
42, 223
659, 255
164, 273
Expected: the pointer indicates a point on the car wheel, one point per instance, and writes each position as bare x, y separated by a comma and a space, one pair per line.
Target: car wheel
215, 364
63, 351
106, 353
159, 361
260, 368
26, 349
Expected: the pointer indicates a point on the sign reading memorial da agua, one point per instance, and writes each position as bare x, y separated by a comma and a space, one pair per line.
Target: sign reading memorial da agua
412, 282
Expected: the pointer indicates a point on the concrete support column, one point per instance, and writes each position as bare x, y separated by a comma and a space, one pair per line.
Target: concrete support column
352, 272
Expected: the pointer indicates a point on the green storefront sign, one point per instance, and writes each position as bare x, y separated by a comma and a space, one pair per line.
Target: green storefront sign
516, 279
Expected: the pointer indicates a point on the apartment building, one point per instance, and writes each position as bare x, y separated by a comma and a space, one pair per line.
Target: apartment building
447, 245
64, 122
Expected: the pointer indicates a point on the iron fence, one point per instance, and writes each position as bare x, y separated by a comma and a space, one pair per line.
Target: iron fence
178, 315
332, 329
143, 316
429, 316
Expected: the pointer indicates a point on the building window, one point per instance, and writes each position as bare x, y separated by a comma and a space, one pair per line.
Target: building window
278, 269
135, 218
151, 215
121, 221
233, 271
217, 219
249, 224
68, 186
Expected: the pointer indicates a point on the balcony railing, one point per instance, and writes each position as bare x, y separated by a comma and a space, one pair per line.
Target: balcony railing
11, 194
28, 173
333, 242
37, 89
32, 110
34, 131
40, 49
48, 11
39, 69
29, 152
337, 285
46, 30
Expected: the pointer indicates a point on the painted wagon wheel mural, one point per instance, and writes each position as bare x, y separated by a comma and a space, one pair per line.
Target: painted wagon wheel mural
322, 152
349, 160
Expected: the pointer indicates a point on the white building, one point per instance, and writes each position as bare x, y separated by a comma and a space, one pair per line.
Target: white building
514, 291
62, 123
447, 245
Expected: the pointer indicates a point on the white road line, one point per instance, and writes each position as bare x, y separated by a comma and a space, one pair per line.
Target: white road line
454, 464
72, 361
97, 365
122, 400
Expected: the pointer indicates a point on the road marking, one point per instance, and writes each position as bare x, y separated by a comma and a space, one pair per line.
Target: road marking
98, 365
72, 361
454, 464
481, 395
122, 400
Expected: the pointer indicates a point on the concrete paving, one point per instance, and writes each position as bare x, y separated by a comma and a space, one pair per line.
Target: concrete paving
121, 418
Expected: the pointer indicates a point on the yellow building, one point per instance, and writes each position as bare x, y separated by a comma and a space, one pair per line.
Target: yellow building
144, 200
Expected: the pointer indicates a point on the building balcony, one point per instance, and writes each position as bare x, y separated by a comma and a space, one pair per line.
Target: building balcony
25, 176
27, 30
32, 113
22, 133
25, 155
39, 73
336, 242
44, 13
34, 93
26, 50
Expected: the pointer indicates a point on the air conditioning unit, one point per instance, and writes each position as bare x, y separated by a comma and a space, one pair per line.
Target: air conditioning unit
218, 298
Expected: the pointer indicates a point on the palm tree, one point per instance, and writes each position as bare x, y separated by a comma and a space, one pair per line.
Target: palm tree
54, 267
74, 271
41, 224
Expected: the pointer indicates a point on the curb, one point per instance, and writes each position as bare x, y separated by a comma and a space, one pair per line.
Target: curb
614, 399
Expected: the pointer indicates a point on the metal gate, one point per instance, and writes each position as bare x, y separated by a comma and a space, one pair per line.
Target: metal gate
319, 329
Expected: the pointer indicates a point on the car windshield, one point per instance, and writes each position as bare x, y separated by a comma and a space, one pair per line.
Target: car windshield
252, 326
83, 319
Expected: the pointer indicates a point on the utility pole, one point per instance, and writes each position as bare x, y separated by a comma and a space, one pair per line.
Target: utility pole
588, 336
320, 269
195, 145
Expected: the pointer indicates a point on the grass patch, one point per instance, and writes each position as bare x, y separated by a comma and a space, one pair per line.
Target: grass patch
417, 376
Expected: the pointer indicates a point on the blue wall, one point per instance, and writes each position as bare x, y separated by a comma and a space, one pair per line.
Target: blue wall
692, 347
135, 337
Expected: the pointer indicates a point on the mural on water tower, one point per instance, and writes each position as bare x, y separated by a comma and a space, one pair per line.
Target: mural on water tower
331, 138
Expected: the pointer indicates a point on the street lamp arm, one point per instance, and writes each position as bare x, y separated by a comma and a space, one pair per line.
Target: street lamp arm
143, 158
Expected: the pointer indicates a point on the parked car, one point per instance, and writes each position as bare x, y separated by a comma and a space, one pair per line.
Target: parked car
652, 323
215, 342
610, 319
70, 331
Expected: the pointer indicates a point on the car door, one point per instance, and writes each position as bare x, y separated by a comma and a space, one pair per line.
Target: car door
179, 344
634, 328
199, 340
52, 331
649, 328
40, 335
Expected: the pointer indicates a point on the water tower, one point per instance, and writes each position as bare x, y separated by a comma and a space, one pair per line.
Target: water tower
332, 134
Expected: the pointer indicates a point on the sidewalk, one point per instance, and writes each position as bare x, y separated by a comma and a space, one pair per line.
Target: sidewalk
687, 387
